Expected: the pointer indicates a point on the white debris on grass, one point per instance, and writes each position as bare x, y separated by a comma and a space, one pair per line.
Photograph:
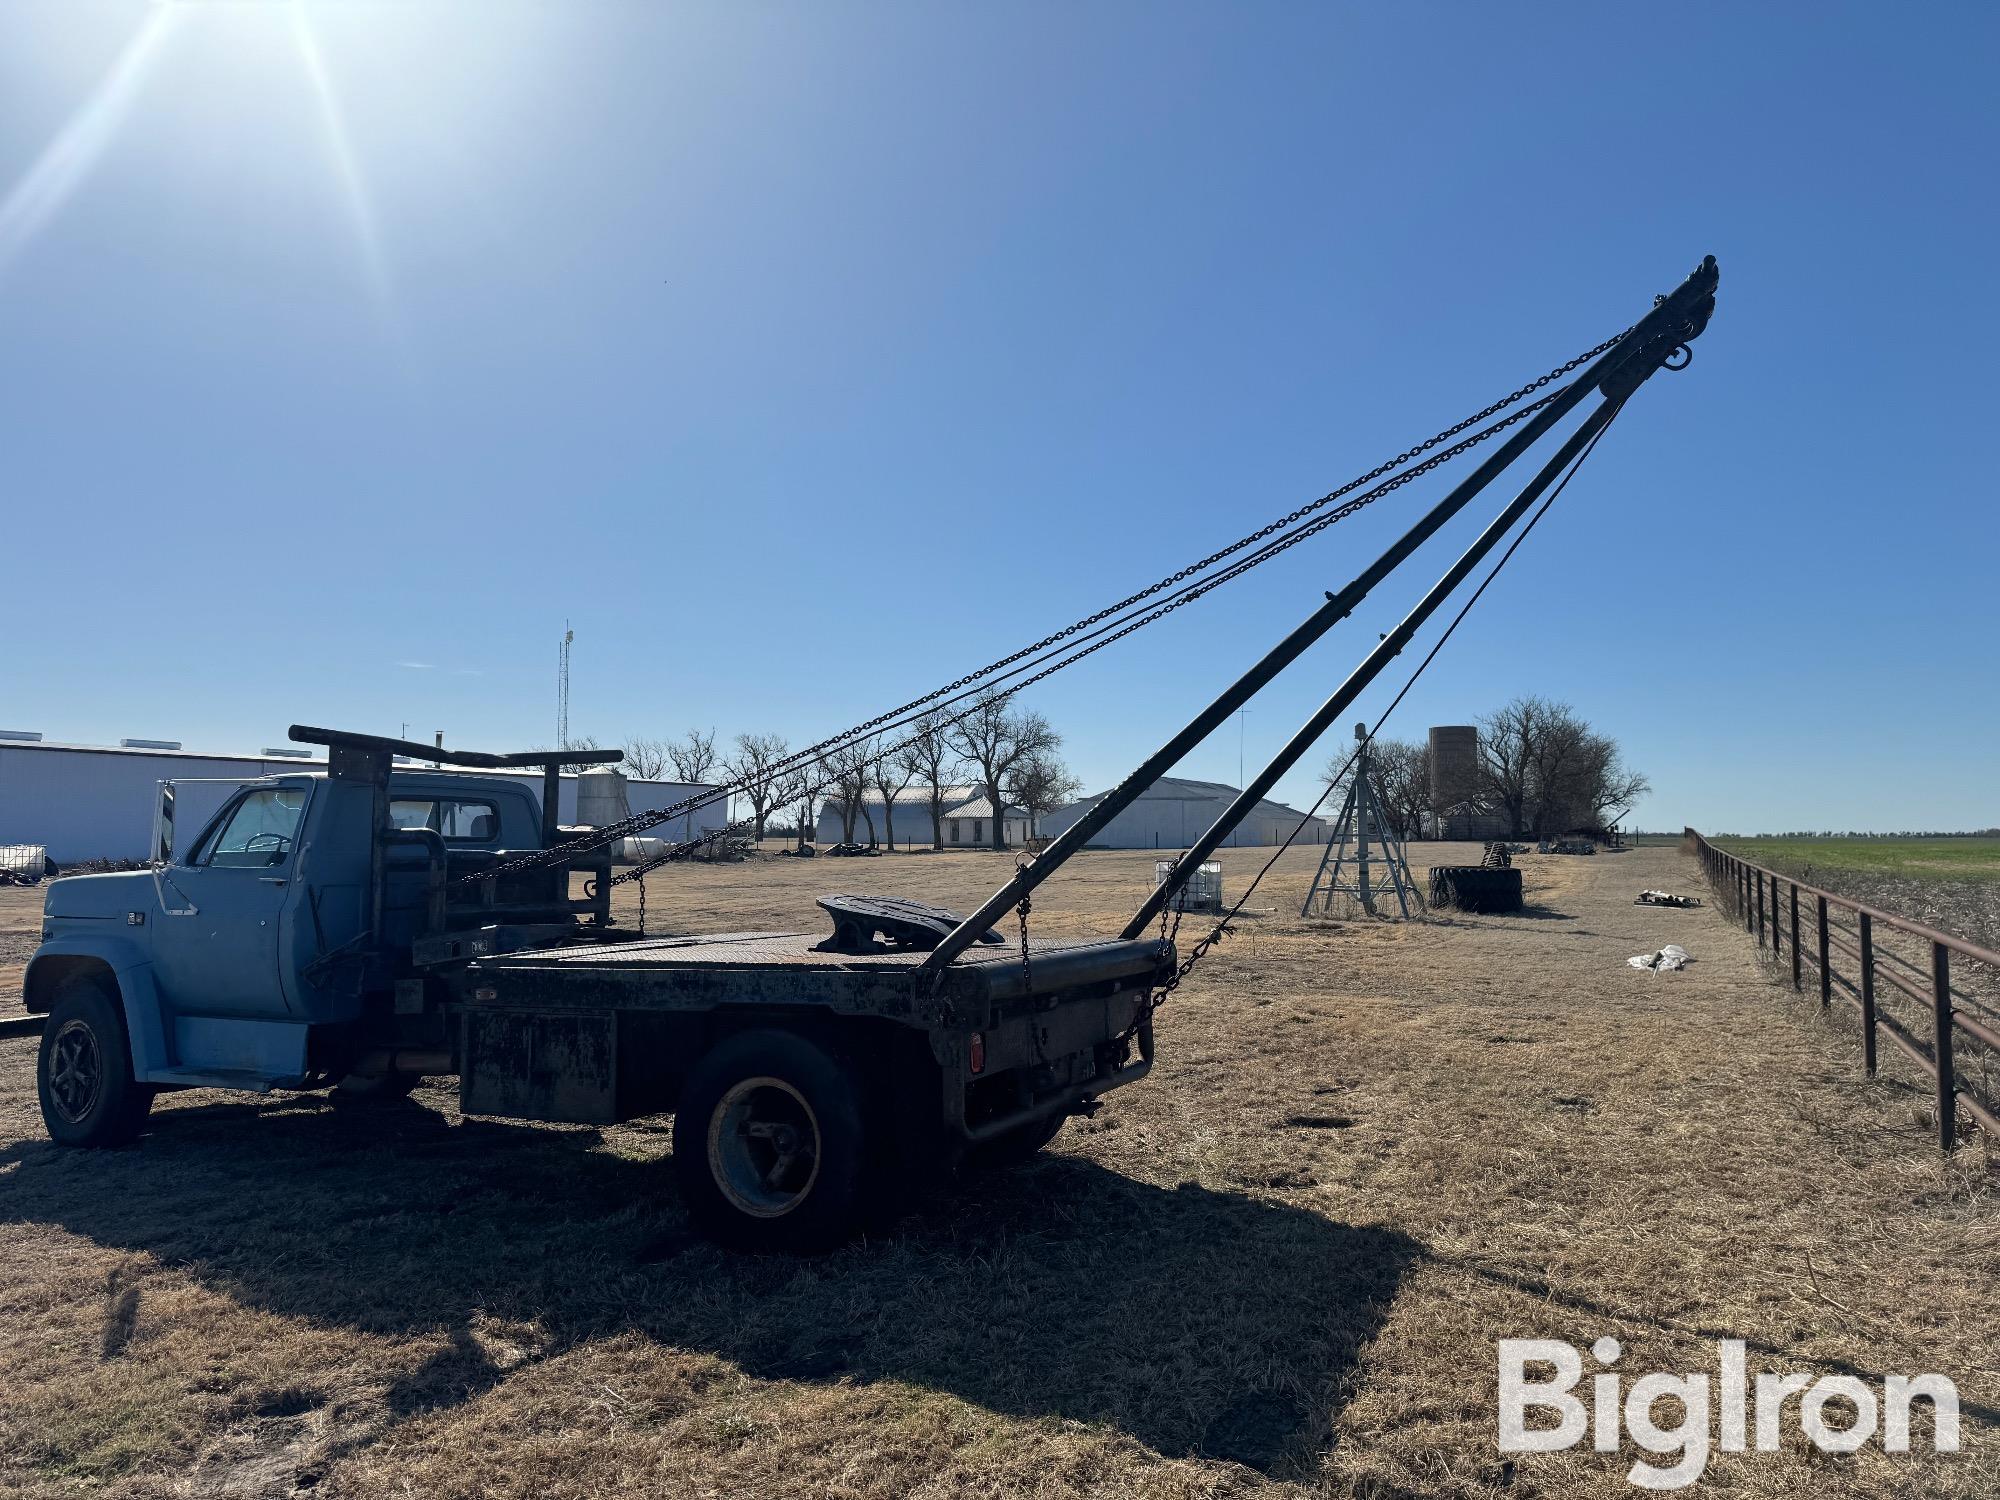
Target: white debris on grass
1673, 956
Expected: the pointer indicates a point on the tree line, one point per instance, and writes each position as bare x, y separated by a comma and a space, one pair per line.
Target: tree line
1853, 833
1008, 753
1540, 766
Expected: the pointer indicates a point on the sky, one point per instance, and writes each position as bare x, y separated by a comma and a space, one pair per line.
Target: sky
801, 357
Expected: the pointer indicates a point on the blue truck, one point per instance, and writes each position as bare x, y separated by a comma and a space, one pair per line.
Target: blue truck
361, 928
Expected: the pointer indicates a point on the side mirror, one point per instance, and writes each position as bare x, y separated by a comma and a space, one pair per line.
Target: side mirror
163, 826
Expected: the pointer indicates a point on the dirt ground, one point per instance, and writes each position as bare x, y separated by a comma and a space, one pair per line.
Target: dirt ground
1277, 1267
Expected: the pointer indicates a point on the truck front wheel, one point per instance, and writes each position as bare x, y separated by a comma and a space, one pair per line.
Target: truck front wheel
84, 1073
769, 1145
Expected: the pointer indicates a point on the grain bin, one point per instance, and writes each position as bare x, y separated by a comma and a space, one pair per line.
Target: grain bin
600, 797
1454, 764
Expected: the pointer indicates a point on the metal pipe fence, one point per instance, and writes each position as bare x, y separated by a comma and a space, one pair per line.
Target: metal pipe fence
1762, 900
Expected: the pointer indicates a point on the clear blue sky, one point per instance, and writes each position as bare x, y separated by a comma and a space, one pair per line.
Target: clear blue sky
348, 349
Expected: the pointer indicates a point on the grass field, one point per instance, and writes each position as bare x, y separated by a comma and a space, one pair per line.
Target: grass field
1908, 859
1275, 1268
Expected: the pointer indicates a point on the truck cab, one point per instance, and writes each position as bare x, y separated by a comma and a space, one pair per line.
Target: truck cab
292, 939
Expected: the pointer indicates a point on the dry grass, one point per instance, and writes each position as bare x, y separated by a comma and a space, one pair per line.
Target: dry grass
1276, 1267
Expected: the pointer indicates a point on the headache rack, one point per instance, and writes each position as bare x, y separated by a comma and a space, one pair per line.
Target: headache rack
531, 908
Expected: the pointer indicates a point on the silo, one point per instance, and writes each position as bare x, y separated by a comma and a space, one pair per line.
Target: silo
600, 797
1454, 764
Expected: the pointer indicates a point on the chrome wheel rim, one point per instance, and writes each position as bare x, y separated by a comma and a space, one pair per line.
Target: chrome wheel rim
76, 1071
764, 1147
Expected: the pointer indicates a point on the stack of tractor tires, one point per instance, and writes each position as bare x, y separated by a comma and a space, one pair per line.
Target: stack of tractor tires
1485, 888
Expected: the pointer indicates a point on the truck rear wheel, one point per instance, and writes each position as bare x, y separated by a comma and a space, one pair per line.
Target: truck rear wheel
84, 1073
769, 1145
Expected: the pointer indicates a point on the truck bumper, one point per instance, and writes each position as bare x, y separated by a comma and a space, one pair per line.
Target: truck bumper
1027, 1068
1063, 1102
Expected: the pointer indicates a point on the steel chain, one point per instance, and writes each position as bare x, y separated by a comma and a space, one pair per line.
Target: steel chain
638, 823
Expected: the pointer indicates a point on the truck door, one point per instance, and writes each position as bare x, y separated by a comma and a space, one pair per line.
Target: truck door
215, 944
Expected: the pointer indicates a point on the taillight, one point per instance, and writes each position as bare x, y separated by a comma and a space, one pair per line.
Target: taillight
975, 1052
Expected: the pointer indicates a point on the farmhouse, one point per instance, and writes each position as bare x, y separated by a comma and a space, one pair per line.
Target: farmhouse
1173, 811
97, 801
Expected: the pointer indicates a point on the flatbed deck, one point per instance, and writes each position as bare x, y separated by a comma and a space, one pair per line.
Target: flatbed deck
777, 967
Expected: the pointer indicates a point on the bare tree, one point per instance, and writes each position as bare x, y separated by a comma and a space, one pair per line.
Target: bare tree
996, 738
1618, 787
1393, 764
753, 762
930, 759
645, 758
847, 773
1040, 784
1403, 769
796, 789
1549, 772
585, 743
1402, 782
1506, 759
693, 756
892, 775
1560, 766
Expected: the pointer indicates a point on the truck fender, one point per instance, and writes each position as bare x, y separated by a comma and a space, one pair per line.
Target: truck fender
130, 970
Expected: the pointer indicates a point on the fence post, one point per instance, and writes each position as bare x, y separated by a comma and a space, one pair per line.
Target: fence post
1760, 911
1868, 993
1777, 938
1825, 973
1947, 1085
1799, 979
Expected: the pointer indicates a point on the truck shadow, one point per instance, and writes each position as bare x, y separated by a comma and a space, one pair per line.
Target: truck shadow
1199, 1322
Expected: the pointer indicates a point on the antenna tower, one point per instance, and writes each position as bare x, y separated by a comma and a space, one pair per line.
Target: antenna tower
562, 689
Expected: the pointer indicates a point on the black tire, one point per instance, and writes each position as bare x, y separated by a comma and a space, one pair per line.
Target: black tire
1476, 888
84, 1072
1015, 1147
770, 1146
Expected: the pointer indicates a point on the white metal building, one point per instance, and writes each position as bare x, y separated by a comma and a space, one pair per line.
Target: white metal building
967, 821
96, 801
1174, 811
970, 825
912, 818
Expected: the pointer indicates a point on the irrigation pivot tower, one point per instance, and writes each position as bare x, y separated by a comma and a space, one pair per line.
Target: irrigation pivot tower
1342, 874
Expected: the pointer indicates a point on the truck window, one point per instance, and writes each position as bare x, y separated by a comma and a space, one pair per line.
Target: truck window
258, 832
457, 820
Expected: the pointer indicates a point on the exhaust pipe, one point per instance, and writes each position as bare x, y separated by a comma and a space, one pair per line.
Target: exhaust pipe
418, 1062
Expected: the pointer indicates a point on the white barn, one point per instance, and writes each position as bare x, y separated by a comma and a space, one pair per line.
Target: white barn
96, 801
1174, 811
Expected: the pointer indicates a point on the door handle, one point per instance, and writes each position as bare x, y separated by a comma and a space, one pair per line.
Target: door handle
270, 880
